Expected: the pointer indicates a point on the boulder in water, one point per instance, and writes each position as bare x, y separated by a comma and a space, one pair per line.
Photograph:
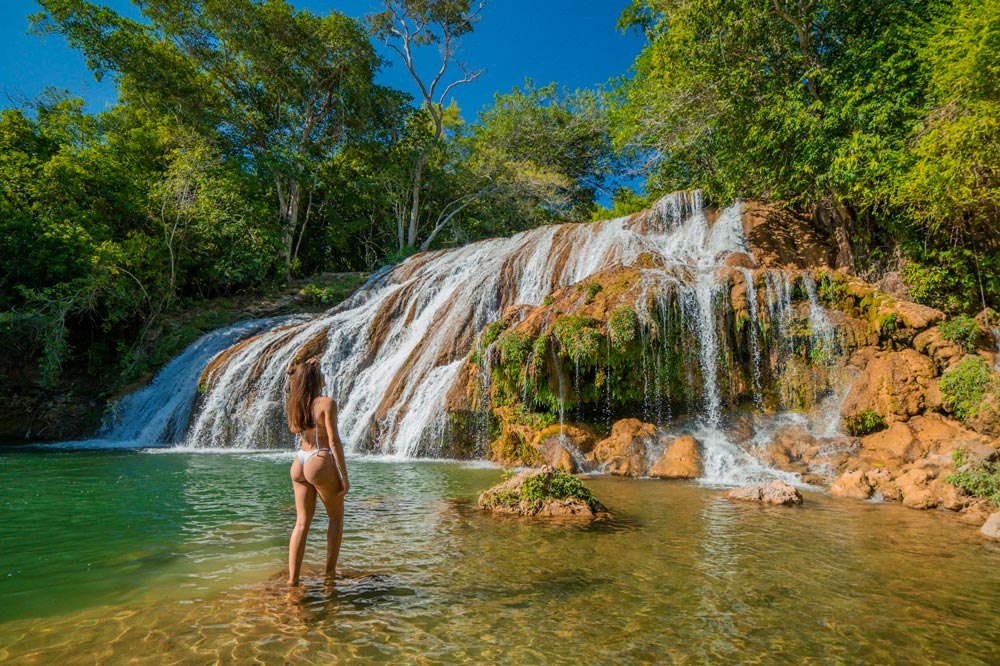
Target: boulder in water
991, 528
544, 492
625, 452
681, 460
559, 457
777, 492
855, 485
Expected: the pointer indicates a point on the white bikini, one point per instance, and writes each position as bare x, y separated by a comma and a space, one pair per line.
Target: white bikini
303, 456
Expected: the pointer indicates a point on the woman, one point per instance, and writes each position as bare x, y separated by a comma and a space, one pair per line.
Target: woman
318, 468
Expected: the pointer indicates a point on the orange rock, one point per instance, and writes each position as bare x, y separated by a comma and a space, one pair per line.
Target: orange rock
681, 460
893, 384
625, 452
854, 485
580, 435
944, 353
776, 492
991, 528
892, 447
791, 449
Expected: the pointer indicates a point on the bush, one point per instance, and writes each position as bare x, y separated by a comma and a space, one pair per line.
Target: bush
579, 339
864, 423
593, 289
982, 480
964, 386
621, 326
963, 330
537, 489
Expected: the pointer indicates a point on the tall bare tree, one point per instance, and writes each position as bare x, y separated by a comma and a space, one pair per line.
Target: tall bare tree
405, 26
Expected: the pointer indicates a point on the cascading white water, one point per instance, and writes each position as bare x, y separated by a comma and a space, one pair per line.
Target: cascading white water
159, 412
396, 349
758, 397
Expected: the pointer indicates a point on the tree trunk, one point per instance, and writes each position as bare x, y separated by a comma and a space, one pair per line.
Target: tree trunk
289, 195
418, 175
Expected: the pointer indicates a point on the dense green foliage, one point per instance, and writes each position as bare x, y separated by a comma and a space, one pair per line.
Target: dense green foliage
980, 480
964, 386
250, 145
962, 329
881, 118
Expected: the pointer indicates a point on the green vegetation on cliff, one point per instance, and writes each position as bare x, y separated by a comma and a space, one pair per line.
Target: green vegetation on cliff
964, 386
979, 480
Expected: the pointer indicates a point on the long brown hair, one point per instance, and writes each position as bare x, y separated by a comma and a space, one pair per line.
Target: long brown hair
306, 383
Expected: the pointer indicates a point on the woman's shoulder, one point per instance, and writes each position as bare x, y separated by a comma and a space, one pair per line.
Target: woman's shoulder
324, 403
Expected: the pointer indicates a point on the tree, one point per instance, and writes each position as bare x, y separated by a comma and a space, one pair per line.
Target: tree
404, 26
280, 89
806, 102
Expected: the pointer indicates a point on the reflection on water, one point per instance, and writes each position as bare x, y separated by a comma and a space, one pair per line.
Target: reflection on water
188, 550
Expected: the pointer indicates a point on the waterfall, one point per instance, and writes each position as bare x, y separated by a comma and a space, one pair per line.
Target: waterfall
395, 354
159, 412
395, 349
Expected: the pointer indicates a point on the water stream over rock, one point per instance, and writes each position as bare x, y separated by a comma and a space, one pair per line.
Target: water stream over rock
708, 329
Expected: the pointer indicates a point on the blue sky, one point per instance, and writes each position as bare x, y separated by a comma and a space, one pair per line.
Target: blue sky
572, 42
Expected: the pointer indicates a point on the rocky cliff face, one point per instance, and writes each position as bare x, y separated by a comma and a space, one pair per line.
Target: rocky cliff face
638, 351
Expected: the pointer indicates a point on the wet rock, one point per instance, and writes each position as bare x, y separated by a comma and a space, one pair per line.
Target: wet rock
991, 528
559, 457
892, 384
739, 260
681, 460
792, 449
776, 492
625, 452
544, 492
740, 428
854, 485
581, 436
513, 446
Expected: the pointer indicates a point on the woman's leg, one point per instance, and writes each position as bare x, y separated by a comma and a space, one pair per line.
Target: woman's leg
305, 507
321, 472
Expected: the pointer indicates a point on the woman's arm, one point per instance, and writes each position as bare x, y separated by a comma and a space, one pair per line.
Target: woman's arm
336, 446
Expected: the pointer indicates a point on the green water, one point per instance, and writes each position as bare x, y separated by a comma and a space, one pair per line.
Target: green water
177, 557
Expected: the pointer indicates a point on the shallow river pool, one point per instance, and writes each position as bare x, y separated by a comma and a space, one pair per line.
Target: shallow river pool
177, 557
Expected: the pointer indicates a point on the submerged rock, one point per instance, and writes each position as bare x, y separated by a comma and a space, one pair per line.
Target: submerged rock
544, 492
776, 492
681, 460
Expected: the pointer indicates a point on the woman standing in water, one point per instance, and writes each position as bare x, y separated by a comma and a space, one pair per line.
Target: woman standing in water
319, 467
